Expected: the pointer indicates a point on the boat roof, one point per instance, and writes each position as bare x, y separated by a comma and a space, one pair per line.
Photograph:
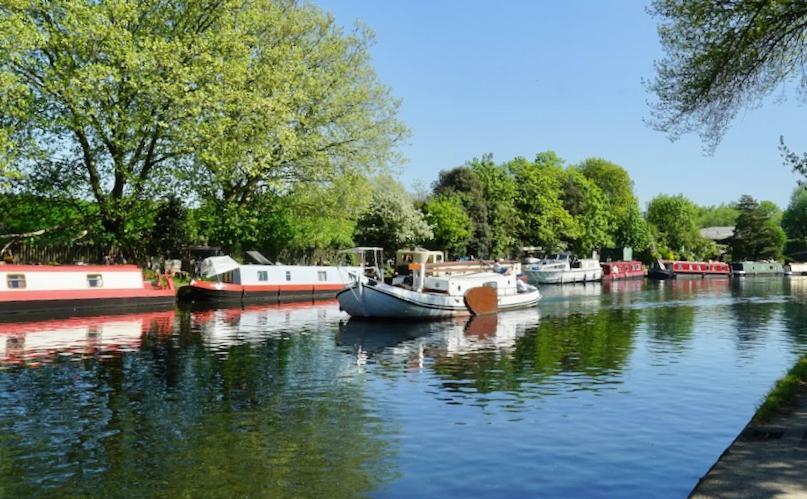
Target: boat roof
361, 249
215, 265
4, 267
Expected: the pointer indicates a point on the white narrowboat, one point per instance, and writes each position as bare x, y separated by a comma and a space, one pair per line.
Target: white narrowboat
795, 269
229, 281
67, 288
563, 268
420, 296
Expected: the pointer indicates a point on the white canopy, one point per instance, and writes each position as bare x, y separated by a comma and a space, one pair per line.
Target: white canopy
216, 265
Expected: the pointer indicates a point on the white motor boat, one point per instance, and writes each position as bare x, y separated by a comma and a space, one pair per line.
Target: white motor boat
416, 295
563, 269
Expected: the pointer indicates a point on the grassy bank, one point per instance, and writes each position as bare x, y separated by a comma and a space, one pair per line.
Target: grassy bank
784, 391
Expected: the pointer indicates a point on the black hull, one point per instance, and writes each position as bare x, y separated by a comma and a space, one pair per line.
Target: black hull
200, 295
660, 275
14, 311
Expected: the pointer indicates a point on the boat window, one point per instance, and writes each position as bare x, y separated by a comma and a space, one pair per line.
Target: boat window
263, 275
16, 281
288, 275
322, 275
95, 280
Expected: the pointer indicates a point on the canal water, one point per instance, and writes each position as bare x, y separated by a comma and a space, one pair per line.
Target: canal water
625, 390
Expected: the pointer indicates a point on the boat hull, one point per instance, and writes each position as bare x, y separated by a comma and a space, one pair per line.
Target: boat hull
372, 299
12, 310
209, 292
563, 276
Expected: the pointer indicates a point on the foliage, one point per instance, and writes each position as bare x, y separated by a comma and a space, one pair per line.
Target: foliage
171, 230
463, 182
450, 222
587, 204
797, 163
391, 222
125, 99
794, 219
722, 57
26, 213
499, 191
757, 234
544, 220
674, 219
783, 393
615, 183
722, 215
632, 230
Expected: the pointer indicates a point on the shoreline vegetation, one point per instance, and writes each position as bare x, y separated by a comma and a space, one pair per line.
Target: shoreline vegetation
784, 392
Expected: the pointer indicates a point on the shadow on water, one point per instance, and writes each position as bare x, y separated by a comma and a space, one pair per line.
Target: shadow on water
201, 404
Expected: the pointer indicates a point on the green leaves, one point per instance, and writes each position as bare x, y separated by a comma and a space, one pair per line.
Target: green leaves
757, 235
450, 223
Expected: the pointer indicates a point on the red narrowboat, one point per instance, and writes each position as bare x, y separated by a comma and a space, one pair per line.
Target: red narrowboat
622, 270
68, 288
698, 269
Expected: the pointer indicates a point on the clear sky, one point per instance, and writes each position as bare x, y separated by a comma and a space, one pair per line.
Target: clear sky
519, 77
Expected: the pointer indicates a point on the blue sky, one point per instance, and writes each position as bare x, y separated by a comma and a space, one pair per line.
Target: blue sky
516, 78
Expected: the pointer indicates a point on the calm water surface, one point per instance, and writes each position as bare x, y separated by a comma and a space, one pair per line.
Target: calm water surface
632, 389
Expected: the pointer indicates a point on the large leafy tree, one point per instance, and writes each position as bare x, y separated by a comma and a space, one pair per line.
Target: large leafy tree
757, 234
794, 219
123, 98
450, 222
717, 216
544, 220
586, 202
723, 56
674, 220
392, 221
464, 182
499, 190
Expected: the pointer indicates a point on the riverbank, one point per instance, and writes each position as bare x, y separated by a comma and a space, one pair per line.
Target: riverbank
769, 456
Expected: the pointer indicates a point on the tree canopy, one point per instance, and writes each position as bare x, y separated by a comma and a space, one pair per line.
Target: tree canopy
794, 219
120, 101
721, 57
757, 234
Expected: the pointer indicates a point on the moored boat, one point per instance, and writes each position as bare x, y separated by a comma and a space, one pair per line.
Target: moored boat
748, 268
794, 268
697, 269
69, 288
660, 272
563, 268
231, 281
612, 271
417, 295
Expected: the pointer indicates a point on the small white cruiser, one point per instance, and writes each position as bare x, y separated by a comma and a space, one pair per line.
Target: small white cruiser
417, 295
563, 269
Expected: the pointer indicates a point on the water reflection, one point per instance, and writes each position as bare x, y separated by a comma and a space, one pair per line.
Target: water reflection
215, 409
622, 389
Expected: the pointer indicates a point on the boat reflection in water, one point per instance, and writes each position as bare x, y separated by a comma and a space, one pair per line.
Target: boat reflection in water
411, 342
35, 342
223, 327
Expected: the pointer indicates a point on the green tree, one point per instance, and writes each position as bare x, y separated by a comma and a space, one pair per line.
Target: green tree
392, 221
757, 235
794, 219
587, 203
675, 222
463, 182
632, 230
450, 222
722, 215
543, 219
722, 57
615, 183
124, 99
171, 231
499, 191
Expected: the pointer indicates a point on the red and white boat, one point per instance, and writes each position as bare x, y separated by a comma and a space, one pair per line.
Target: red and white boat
232, 282
67, 288
698, 269
612, 271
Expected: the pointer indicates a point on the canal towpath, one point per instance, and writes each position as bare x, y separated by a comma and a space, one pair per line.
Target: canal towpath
765, 460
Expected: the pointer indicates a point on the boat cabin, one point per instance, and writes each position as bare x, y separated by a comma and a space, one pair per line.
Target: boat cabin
756, 268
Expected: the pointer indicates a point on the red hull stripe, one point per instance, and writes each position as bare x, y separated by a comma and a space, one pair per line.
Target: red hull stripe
82, 294
69, 268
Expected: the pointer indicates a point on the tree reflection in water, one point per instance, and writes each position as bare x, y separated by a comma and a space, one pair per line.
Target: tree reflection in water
224, 406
